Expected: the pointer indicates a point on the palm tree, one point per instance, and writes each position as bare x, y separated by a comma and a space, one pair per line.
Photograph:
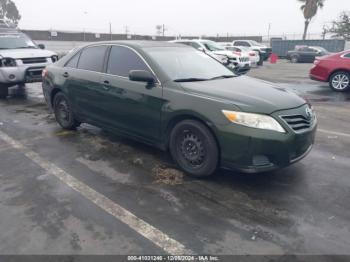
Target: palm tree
310, 8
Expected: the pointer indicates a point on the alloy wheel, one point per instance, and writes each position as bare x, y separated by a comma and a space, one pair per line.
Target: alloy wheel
340, 81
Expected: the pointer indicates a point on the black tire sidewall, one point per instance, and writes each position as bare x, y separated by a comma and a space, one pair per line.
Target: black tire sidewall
331, 80
4, 91
72, 124
212, 153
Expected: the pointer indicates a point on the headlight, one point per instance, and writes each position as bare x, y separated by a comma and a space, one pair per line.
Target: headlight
8, 62
54, 58
254, 120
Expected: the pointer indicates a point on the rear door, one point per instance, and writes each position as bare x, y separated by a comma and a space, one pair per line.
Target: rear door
130, 106
85, 85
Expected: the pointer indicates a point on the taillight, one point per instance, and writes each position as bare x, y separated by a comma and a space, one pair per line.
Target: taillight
252, 54
236, 53
45, 73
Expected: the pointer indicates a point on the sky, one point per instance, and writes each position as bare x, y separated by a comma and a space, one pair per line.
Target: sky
181, 17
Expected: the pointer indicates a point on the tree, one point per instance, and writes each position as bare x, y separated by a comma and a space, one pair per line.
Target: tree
310, 8
9, 12
341, 27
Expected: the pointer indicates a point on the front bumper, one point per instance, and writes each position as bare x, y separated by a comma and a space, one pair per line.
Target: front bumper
22, 73
250, 150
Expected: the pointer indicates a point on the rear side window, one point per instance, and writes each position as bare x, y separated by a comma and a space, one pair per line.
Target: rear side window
122, 60
241, 43
347, 55
73, 62
92, 58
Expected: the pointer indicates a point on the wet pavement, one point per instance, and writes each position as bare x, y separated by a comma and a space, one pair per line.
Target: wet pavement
303, 209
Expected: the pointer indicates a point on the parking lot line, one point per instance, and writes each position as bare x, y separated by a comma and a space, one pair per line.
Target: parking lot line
148, 231
333, 132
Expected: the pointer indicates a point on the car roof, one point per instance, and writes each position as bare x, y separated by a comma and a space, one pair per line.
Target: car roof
139, 44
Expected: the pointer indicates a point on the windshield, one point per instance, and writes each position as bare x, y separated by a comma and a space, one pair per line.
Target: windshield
187, 63
14, 41
212, 46
256, 43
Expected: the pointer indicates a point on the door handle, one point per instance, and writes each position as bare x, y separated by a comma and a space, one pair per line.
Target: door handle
65, 74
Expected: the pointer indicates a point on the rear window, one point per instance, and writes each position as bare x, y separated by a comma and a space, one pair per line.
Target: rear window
73, 62
92, 58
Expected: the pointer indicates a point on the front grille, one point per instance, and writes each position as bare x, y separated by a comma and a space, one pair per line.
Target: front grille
34, 60
298, 122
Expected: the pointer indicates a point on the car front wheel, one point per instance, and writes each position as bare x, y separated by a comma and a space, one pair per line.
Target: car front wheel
294, 59
340, 81
64, 113
194, 148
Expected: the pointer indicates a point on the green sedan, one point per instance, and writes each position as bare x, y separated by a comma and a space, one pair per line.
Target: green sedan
179, 99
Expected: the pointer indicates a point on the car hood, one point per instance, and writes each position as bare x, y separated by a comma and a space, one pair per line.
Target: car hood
249, 94
228, 53
25, 53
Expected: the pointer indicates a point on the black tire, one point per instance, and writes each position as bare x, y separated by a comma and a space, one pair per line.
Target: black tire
194, 148
4, 92
64, 113
294, 59
340, 81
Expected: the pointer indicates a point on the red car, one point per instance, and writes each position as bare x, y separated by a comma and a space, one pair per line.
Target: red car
334, 69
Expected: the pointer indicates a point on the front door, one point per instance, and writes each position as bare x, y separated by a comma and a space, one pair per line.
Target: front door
132, 107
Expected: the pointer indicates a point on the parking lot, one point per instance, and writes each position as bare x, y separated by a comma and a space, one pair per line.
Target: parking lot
92, 192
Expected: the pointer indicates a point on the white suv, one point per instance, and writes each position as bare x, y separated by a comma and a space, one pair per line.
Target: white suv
21, 60
239, 63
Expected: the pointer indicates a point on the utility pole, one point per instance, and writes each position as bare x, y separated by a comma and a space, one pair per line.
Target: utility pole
268, 32
163, 30
110, 30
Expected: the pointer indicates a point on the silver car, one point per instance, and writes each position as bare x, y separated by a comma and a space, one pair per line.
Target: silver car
21, 60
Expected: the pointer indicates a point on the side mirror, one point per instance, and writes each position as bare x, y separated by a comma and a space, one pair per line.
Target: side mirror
141, 76
41, 46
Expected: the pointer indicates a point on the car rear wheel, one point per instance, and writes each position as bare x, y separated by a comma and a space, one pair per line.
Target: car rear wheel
194, 148
294, 59
63, 112
340, 81
4, 92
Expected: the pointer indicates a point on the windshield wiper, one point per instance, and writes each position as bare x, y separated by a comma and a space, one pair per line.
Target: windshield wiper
191, 79
223, 76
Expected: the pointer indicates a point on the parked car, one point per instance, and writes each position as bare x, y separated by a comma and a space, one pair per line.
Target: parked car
254, 56
263, 50
238, 63
174, 97
306, 54
334, 69
21, 60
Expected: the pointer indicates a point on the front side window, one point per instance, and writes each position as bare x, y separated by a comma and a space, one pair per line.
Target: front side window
347, 55
92, 58
212, 46
122, 60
